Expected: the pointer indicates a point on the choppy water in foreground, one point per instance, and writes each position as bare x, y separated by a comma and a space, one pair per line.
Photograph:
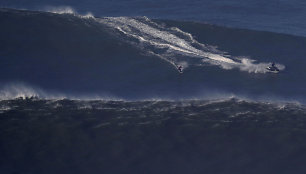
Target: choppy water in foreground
225, 136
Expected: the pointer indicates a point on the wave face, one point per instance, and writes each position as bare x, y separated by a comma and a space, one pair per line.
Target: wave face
136, 58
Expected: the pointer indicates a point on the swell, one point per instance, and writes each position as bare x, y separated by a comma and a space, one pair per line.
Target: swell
151, 136
136, 58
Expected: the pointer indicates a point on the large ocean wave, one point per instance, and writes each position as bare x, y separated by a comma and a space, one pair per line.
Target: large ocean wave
137, 58
84, 94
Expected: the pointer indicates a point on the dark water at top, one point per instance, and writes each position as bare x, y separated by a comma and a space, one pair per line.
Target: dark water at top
272, 15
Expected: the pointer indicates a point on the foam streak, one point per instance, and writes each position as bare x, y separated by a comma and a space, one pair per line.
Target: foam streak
179, 43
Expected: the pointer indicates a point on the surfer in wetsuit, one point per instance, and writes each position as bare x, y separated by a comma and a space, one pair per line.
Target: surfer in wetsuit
273, 64
180, 68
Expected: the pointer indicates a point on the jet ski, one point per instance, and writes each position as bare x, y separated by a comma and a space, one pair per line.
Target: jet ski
273, 68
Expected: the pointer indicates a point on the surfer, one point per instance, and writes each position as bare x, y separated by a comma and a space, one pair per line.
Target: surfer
180, 69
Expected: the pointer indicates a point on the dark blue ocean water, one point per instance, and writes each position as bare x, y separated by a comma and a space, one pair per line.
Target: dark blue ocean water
230, 136
269, 15
94, 87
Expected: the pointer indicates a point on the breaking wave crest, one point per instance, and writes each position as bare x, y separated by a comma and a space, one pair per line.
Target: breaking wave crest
24, 91
67, 10
13, 91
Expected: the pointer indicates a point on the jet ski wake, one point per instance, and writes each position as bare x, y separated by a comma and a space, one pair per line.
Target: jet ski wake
273, 68
174, 46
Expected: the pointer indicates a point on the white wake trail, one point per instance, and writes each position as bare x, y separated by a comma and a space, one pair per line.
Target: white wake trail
177, 42
180, 46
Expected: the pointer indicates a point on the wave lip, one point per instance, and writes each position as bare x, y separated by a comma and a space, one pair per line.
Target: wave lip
67, 10
14, 91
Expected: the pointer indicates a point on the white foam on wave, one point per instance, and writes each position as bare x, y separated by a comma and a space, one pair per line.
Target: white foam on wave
19, 90
13, 91
67, 10
251, 66
159, 37
178, 42
4, 109
60, 10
